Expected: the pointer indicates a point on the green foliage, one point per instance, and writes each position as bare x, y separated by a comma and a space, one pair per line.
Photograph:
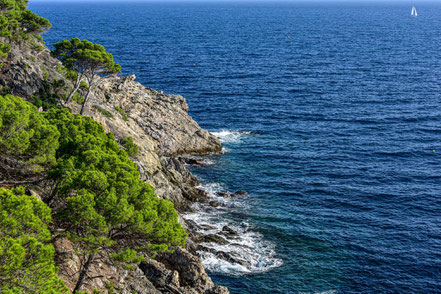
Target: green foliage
25, 134
98, 198
45, 72
122, 112
103, 111
100, 194
131, 148
78, 98
50, 93
26, 255
36, 47
17, 23
84, 85
129, 257
88, 60
85, 57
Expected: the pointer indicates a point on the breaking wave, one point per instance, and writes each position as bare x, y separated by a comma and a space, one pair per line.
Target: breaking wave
226, 136
242, 250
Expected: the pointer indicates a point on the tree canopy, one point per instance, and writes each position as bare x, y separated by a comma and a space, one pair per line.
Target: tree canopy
88, 60
26, 254
26, 137
98, 199
17, 23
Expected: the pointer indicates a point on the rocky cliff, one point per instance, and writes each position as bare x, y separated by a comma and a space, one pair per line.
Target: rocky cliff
161, 127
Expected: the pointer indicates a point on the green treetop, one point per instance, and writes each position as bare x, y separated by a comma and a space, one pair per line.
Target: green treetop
100, 200
88, 60
27, 141
17, 23
26, 254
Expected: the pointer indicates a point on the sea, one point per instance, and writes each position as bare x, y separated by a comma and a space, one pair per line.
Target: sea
330, 118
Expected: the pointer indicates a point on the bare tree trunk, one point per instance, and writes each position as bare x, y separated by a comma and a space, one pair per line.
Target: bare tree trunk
75, 89
85, 100
83, 273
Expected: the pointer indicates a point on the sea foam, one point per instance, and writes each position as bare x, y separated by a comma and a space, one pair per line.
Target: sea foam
226, 136
245, 253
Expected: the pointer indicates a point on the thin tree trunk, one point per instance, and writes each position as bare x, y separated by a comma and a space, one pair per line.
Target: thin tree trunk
86, 98
75, 89
83, 273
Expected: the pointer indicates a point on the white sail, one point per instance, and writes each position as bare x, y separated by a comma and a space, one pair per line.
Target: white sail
414, 11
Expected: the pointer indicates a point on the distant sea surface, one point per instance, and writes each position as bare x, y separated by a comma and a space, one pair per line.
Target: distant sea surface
330, 115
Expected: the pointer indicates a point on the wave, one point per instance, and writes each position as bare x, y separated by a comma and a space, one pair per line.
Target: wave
226, 136
243, 251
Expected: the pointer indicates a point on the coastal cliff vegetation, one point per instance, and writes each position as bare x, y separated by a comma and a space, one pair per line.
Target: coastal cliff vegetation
89, 190
94, 194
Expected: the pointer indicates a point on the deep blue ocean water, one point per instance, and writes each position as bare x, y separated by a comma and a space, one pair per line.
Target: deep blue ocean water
331, 119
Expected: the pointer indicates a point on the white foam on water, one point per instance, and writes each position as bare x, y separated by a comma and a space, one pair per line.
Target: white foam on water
246, 253
226, 136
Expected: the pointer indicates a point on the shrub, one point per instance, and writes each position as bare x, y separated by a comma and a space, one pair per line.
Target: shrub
26, 254
131, 148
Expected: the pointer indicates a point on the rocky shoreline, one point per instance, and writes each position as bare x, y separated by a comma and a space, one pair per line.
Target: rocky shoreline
167, 138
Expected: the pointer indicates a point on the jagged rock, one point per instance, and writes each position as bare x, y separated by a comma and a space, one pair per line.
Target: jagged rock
163, 117
190, 160
226, 194
211, 238
240, 192
105, 271
214, 204
163, 278
192, 275
229, 231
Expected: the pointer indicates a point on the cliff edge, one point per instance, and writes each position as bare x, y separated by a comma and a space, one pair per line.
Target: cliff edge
160, 126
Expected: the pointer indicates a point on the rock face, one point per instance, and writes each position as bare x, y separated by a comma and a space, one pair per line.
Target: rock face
162, 129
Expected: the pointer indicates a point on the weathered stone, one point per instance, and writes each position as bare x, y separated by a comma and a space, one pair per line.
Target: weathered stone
214, 204
229, 231
192, 274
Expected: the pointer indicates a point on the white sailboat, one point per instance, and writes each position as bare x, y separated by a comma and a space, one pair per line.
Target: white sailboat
414, 13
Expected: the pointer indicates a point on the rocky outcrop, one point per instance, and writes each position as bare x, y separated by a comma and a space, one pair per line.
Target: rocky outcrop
161, 127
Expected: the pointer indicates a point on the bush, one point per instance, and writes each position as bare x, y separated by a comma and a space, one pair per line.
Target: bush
26, 254
131, 148
25, 134
122, 112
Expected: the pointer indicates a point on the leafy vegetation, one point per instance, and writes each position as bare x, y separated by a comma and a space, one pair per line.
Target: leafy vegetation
88, 60
18, 24
122, 112
95, 196
27, 141
103, 111
26, 254
131, 148
100, 199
